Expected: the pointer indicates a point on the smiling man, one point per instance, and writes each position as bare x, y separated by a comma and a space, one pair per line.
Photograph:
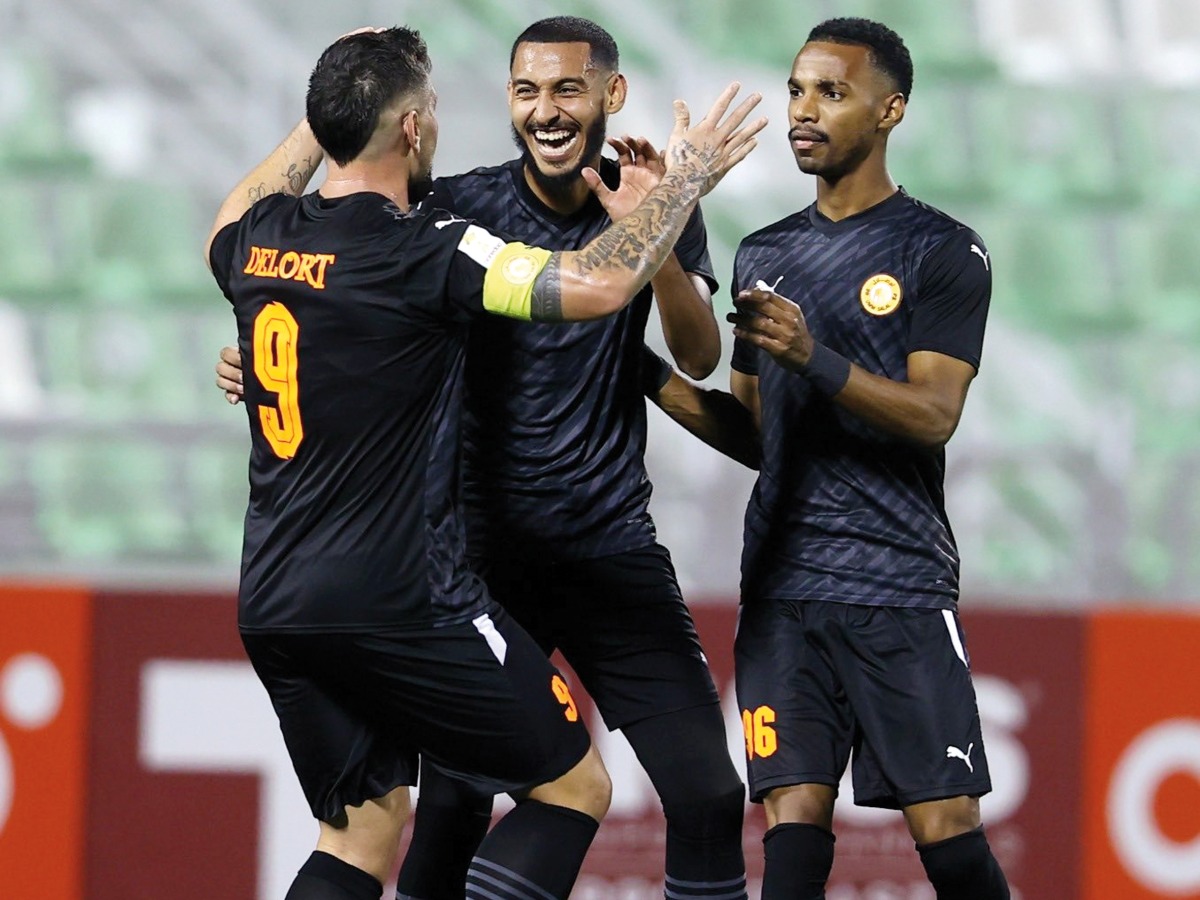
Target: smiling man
555, 481
555, 485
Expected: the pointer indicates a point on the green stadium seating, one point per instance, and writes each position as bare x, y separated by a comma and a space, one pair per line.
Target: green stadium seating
217, 486
934, 152
1049, 147
108, 500
1055, 273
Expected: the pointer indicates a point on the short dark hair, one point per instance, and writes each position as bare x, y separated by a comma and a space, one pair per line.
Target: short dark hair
356, 79
571, 30
887, 50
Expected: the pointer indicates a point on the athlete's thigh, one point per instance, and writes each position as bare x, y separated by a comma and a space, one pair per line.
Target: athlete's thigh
798, 726
908, 677
481, 701
629, 636
341, 757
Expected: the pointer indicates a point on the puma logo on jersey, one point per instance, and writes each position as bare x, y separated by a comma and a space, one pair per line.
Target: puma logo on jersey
761, 285
978, 251
450, 221
955, 753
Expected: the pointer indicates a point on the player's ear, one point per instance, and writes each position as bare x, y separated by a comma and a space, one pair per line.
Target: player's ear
411, 125
614, 93
893, 111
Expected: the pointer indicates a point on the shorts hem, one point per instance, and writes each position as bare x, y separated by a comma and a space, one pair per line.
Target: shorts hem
678, 707
356, 800
760, 787
553, 772
945, 792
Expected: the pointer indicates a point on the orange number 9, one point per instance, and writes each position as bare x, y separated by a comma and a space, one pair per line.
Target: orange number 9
563, 693
276, 334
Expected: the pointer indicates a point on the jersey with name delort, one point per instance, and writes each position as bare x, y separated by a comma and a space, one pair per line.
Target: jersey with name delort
843, 511
352, 319
555, 425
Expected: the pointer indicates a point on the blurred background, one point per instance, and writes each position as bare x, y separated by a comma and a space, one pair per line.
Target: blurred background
1064, 131
138, 755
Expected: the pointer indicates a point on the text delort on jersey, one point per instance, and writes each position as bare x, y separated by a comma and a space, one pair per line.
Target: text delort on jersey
266, 262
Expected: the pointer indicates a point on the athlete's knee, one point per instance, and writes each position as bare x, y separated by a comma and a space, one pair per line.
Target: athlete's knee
940, 820
709, 813
586, 788
801, 804
368, 836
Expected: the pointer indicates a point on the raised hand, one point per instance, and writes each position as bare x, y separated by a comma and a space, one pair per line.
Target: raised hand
641, 171
716, 143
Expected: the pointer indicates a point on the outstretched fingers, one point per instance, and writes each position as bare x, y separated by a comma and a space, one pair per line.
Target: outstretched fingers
717, 111
738, 116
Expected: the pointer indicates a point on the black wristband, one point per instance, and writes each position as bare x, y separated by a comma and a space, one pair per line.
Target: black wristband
827, 370
656, 372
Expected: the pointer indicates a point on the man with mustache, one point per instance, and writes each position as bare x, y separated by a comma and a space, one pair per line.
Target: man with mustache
859, 328
555, 485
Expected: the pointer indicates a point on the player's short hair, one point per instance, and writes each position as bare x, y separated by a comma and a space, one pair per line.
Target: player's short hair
356, 79
571, 30
886, 48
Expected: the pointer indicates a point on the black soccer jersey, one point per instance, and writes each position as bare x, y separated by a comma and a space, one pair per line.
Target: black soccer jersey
555, 428
352, 321
841, 510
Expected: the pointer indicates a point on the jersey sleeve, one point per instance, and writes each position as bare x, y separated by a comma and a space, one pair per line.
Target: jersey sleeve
955, 290
692, 250
491, 274
220, 256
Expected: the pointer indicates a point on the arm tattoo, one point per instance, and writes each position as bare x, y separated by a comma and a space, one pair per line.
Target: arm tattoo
547, 291
642, 240
295, 180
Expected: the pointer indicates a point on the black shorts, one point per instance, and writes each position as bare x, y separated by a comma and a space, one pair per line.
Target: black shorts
479, 701
816, 680
620, 622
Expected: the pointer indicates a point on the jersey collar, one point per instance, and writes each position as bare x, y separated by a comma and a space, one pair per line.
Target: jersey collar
881, 210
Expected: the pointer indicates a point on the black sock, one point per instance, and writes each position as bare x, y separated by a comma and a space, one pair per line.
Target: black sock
687, 758
798, 860
963, 868
325, 877
535, 844
450, 821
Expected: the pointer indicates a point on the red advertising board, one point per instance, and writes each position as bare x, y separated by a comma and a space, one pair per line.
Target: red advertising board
1142, 789
45, 641
138, 718
155, 831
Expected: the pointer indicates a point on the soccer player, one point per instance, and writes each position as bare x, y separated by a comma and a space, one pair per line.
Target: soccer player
374, 639
859, 327
555, 482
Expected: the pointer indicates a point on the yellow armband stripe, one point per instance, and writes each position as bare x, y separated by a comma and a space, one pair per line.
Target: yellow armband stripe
508, 283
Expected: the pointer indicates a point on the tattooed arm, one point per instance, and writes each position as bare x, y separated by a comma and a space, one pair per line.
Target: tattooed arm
287, 170
603, 276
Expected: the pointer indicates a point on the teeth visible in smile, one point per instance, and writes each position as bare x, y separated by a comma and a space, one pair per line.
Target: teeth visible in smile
555, 136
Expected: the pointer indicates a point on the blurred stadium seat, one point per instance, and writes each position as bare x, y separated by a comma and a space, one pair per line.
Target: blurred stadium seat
1085, 190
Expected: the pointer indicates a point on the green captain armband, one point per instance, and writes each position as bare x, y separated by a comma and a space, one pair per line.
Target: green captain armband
508, 284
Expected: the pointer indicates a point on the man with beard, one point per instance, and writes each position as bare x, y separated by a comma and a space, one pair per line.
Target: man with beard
555, 484
374, 639
859, 327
